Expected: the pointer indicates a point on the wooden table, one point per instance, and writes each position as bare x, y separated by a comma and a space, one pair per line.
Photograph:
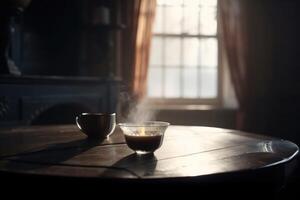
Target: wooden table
189, 154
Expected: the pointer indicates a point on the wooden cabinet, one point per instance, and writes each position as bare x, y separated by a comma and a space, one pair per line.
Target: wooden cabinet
53, 100
67, 52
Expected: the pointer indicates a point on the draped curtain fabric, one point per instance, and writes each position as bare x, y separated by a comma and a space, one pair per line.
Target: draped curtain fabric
246, 36
139, 17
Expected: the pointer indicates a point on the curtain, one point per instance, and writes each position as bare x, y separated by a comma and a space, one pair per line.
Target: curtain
247, 40
139, 17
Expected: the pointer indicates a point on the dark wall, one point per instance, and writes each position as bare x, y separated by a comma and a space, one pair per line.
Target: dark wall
286, 78
281, 106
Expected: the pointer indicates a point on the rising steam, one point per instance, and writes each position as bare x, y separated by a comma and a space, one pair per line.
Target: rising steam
141, 112
137, 112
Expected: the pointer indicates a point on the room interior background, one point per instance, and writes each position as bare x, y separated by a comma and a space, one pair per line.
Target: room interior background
78, 51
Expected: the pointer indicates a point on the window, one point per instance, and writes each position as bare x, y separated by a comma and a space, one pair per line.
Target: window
183, 63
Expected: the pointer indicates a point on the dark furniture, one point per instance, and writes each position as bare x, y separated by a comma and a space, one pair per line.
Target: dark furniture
57, 56
191, 158
32, 100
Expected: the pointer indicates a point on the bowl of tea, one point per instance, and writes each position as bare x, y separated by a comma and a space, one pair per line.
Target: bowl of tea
144, 137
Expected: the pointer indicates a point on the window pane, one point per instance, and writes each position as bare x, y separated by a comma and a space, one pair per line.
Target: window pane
172, 52
208, 2
173, 19
190, 85
156, 51
191, 2
208, 21
158, 22
190, 20
208, 83
190, 52
172, 83
169, 2
155, 82
208, 52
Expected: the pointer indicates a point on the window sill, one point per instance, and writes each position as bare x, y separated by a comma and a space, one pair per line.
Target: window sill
199, 115
184, 107
189, 107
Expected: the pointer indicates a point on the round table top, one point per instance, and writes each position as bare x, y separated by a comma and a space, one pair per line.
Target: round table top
187, 151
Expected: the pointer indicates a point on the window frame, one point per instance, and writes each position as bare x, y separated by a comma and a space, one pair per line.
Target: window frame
182, 102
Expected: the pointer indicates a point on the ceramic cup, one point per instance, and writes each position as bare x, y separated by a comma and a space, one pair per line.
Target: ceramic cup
96, 125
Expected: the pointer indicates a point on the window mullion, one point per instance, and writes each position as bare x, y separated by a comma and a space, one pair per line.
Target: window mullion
199, 58
181, 81
163, 53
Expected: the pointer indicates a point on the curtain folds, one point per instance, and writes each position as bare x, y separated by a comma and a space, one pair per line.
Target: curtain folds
136, 45
246, 32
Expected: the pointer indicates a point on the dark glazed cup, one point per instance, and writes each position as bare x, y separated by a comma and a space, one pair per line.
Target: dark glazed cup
96, 125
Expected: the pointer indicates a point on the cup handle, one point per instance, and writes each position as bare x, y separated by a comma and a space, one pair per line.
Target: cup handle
77, 123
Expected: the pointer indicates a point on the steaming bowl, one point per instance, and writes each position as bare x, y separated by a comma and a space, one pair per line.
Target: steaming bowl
148, 128
146, 137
